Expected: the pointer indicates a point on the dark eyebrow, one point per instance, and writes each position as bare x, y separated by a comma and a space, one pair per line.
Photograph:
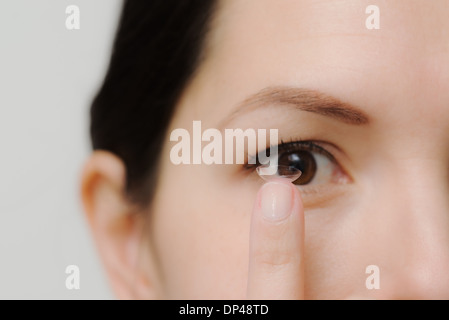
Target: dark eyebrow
305, 100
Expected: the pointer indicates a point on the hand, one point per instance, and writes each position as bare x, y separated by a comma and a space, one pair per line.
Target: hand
276, 257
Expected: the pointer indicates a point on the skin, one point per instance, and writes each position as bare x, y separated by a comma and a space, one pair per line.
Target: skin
205, 235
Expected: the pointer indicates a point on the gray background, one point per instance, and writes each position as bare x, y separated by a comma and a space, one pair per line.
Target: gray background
48, 76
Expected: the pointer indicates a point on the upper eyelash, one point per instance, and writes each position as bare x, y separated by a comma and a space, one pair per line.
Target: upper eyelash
293, 145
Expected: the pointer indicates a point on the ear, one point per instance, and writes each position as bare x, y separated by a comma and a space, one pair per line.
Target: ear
117, 227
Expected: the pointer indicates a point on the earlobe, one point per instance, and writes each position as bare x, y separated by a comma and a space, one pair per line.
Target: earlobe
116, 225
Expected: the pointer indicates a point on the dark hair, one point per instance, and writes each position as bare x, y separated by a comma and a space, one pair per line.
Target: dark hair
157, 48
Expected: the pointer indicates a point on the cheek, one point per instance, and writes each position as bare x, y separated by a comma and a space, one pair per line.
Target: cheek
341, 242
200, 231
334, 264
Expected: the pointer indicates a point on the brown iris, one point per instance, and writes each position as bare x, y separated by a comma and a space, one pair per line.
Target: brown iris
301, 160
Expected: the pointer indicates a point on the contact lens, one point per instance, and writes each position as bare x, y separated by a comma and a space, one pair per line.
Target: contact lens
273, 172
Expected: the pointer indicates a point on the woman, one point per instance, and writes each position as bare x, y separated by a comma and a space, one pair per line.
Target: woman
362, 112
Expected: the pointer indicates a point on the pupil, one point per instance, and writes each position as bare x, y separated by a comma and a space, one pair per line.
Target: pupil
301, 160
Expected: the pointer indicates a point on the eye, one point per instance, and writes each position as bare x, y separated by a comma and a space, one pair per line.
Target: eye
317, 165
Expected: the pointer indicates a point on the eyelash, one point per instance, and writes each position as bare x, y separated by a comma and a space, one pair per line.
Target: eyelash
291, 146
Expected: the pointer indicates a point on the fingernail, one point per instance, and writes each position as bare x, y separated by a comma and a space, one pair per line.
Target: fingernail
276, 201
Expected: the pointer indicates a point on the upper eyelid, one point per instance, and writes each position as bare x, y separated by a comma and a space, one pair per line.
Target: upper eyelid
310, 145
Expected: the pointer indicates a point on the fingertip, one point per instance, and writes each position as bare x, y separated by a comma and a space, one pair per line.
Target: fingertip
276, 200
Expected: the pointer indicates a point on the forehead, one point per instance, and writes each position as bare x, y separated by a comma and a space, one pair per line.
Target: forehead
325, 45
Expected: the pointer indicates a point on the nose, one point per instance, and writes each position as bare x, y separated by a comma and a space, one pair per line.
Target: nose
410, 229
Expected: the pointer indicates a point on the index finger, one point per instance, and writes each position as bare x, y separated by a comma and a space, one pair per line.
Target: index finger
276, 258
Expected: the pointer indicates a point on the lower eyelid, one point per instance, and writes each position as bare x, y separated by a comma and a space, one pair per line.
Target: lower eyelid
315, 197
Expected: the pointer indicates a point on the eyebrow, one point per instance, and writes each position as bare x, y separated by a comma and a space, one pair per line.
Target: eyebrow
306, 100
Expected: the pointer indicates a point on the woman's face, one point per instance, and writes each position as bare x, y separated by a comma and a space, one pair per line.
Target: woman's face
379, 195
